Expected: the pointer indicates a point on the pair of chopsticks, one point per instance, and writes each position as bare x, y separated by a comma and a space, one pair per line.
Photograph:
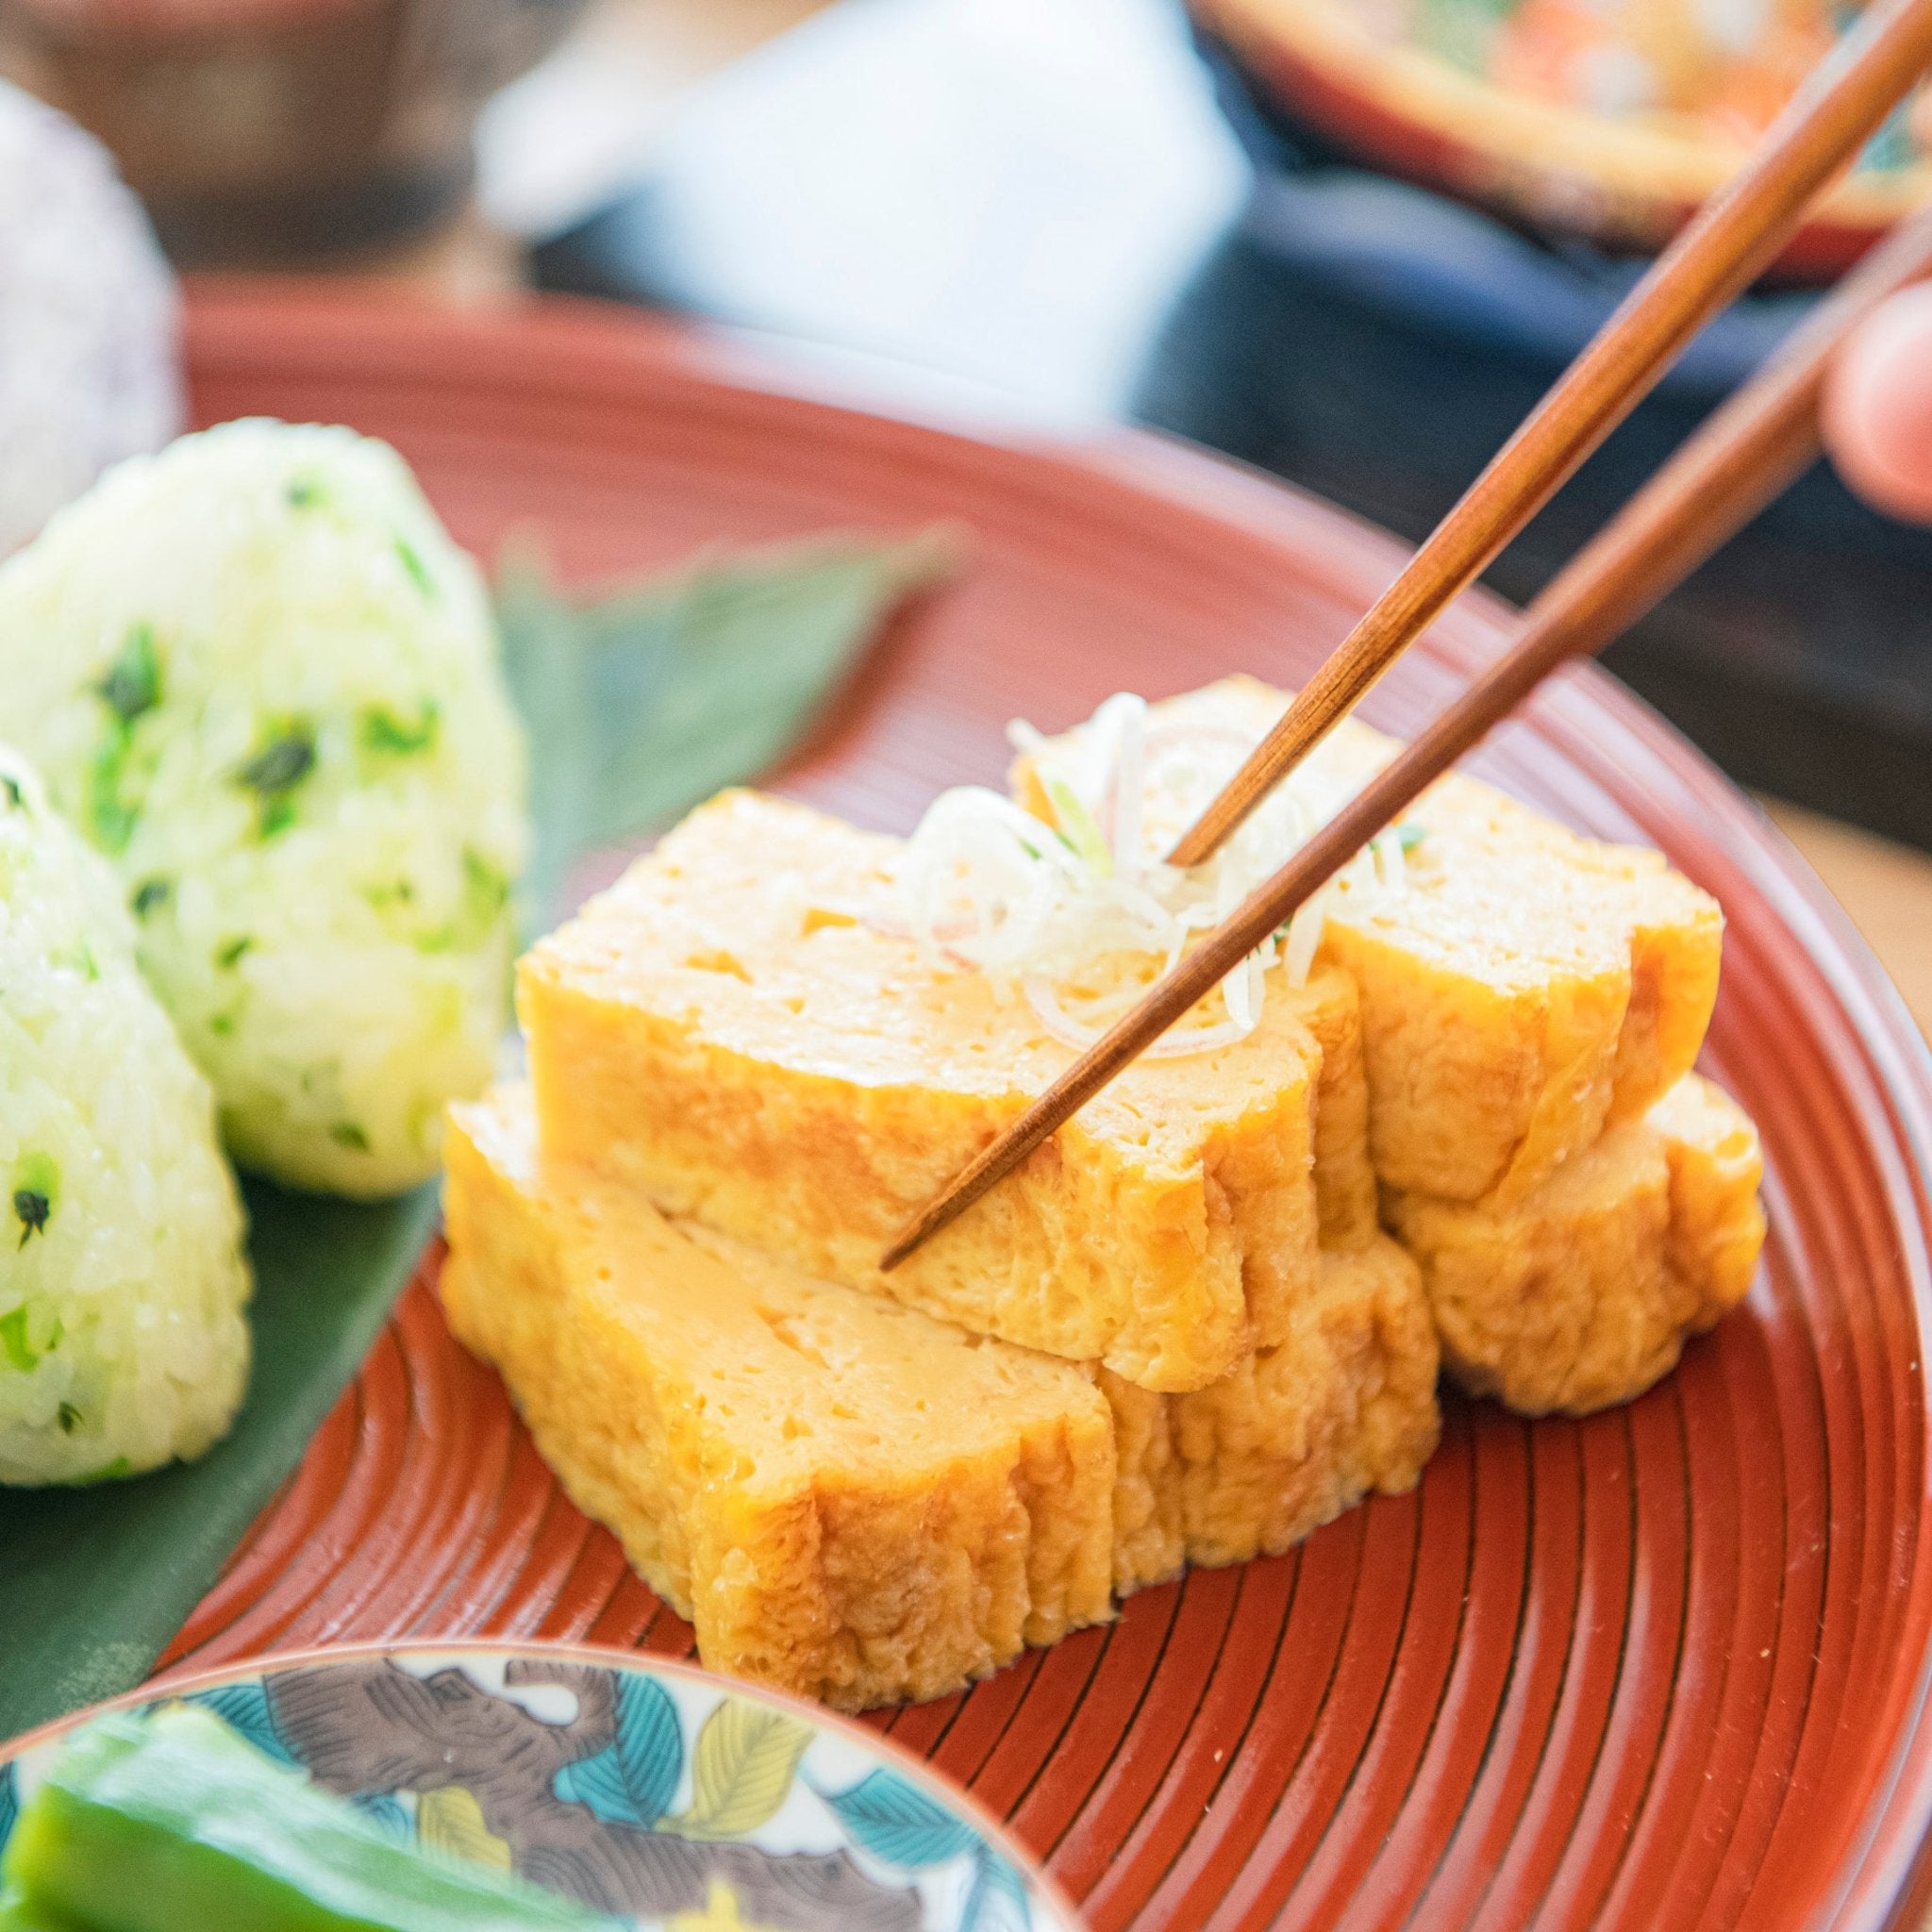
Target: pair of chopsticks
1743, 457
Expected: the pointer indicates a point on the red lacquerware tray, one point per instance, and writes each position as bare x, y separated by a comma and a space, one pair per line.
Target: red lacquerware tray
1663, 1668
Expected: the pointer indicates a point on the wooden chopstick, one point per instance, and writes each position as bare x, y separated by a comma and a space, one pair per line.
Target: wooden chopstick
1733, 239
1743, 457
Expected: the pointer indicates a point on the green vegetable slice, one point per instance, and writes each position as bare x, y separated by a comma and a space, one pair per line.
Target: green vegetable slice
383, 731
275, 772
172, 1821
282, 764
133, 683
1076, 827
35, 1188
418, 570
15, 1351
30, 1210
110, 819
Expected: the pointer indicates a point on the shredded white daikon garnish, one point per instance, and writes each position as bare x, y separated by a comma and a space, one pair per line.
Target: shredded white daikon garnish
1031, 902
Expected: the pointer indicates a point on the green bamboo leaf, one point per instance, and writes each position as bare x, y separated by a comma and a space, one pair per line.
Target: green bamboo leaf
638, 703
742, 1770
97, 1580
642, 702
545, 664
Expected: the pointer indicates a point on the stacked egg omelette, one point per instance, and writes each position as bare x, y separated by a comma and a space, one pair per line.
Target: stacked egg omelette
1203, 1318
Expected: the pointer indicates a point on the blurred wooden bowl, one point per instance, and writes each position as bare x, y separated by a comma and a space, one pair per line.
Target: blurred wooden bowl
282, 131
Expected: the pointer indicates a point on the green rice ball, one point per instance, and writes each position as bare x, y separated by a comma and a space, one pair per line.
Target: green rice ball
122, 1273
260, 677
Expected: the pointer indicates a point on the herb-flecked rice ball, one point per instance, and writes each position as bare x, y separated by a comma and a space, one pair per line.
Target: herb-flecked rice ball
259, 676
123, 1279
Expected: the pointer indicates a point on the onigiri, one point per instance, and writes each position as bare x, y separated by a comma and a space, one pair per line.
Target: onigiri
123, 1279
259, 676
89, 361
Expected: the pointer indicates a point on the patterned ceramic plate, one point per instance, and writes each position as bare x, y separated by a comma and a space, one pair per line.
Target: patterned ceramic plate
639, 1787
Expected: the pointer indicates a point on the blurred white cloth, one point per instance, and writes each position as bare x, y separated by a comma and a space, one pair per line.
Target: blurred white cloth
89, 357
1008, 190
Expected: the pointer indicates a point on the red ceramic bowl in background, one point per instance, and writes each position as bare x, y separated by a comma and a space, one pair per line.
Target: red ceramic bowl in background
1625, 184
276, 130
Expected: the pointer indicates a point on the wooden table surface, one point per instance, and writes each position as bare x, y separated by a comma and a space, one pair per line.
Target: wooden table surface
587, 118
1886, 888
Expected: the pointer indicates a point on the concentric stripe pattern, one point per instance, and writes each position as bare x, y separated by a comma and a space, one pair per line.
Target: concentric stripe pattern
1664, 1666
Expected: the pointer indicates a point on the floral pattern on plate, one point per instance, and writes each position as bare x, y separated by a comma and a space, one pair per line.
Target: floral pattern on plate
641, 1789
